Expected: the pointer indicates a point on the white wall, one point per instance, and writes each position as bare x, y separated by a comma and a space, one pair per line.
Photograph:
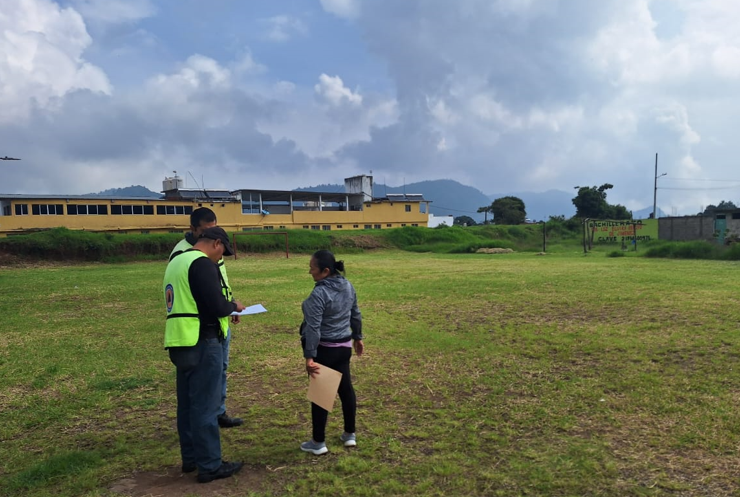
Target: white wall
435, 221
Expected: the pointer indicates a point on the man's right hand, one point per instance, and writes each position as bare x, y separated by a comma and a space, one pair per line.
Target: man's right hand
239, 306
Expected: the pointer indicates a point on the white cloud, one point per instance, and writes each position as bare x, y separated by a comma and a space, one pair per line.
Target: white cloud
331, 89
283, 28
114, 11
348, 9
41, 47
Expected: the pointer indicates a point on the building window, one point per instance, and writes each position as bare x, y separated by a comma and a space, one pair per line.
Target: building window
305, 226
408, 208
47, 209
355, 225
81, 210
388, 225
339, 226
414, 224
21, 209
6, 210
403, 224
377, 226
720, 216
315, 227
176, 231
148, 210
144, 232
736, 215
368, 226
281, 227
269, 227
326, 227
172, 210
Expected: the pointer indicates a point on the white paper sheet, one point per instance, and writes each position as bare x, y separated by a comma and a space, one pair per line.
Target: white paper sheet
252, 309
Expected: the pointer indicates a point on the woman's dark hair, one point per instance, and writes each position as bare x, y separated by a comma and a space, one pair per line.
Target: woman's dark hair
325, 259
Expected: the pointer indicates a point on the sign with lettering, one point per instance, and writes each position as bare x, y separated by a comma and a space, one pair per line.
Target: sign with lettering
606, 231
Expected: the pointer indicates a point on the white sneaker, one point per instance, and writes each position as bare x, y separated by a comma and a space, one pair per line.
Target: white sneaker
349, 439
315, 448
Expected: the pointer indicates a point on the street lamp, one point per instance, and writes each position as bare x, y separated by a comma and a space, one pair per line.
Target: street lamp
655, 186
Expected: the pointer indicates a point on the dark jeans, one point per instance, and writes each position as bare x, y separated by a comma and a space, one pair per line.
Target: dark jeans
199, 370
335, 358
225, 344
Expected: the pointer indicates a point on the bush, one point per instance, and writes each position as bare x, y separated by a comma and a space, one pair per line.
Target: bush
685, 250
615, 253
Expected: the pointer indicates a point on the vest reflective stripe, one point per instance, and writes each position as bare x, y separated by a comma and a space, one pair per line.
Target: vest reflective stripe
182, 328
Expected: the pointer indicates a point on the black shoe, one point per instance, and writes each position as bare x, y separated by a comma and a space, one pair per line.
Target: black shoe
224, 421
188, 468
226, 470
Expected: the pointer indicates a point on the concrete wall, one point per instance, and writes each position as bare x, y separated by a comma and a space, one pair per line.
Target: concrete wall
686, 228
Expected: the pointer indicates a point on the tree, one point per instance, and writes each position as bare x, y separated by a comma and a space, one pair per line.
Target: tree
464, 221
723, 205
485, 209
508, 210
591, 203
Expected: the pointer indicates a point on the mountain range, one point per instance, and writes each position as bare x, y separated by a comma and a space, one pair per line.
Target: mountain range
448, 197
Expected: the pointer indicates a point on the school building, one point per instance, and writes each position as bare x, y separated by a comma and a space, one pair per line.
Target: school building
238, 210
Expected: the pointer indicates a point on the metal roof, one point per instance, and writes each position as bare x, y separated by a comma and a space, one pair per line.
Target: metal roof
299, 196
25, 196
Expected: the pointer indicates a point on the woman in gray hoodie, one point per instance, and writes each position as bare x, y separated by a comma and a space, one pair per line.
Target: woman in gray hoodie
332, 326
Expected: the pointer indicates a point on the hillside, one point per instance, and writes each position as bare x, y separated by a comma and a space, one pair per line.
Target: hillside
129, 191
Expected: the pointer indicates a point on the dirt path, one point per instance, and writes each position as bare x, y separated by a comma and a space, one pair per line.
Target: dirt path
170, 482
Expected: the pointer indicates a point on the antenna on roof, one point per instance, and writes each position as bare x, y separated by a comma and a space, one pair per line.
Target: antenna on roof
196, 181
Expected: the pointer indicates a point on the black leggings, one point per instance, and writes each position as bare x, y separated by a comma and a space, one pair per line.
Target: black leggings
335, 358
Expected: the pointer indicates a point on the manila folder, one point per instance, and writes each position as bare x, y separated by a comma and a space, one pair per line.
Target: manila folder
322, 388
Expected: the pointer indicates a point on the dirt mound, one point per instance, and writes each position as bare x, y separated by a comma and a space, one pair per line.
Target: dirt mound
367, 242
494, 251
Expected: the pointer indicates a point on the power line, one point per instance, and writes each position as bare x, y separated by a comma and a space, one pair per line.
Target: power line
449, 209
700, 189
702, 179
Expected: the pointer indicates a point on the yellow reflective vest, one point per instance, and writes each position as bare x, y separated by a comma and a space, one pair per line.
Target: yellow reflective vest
182, 328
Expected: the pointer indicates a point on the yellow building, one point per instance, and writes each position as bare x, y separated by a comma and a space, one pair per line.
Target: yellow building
239, 210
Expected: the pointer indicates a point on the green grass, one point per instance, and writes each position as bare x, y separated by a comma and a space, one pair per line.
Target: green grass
485, 375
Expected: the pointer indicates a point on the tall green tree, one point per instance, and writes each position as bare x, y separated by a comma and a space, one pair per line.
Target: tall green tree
485, 210
591, 203
464, 221
508, 210
725, 204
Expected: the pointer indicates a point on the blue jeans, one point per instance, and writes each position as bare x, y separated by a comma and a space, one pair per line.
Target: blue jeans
199, 370
225, 345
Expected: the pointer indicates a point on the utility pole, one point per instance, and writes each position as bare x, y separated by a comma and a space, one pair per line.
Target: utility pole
655, 187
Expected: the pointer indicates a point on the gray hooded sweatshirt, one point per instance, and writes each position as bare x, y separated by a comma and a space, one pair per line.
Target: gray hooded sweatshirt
330, 314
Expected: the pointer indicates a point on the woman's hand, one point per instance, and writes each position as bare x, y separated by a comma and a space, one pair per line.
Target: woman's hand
311, 367
359, 347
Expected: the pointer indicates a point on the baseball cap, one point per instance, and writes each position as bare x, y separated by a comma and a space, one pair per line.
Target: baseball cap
217, 233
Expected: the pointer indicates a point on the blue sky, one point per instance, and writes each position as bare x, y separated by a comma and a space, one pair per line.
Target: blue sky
503, 95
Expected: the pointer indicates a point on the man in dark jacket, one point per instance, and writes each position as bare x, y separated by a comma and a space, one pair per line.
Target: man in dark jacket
197, 323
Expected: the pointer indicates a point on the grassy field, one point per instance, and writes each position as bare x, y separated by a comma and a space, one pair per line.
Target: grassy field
485, 375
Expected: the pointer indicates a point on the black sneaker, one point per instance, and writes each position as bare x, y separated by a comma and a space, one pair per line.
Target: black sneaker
226, 470
188, 467
224, 421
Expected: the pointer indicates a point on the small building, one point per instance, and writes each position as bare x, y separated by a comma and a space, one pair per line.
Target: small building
719, 226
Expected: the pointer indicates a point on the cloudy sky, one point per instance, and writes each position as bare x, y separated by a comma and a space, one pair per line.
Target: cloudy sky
503, 95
